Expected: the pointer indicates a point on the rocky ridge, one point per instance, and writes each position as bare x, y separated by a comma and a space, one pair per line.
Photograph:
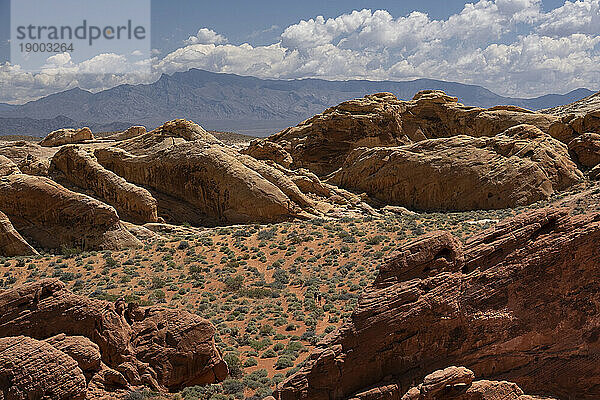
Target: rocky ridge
321, 143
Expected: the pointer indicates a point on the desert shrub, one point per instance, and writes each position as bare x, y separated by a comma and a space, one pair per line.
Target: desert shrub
266, 234
232, 386
270, 353
250, 362
285, 361
267, 330
281, 276
207, 392
234, 283
234, 364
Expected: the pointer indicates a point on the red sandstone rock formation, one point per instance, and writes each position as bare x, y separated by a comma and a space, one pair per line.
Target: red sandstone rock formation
116, 345
517, 302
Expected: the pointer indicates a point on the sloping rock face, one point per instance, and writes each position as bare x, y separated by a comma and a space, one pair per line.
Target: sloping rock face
30, 369
517, 167
81, 168
517, 303
85, 352
163, 349
67, 136
586, 148
52, 216
322, 142
11, 242
211, 180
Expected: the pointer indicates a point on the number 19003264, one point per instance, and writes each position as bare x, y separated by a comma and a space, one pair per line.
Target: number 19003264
45, 47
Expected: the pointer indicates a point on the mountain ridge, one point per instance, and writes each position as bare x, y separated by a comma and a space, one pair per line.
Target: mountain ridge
232, 102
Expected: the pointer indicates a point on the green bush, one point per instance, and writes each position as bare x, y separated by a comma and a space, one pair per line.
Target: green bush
234, 364
250, 362
232, 386
284, 361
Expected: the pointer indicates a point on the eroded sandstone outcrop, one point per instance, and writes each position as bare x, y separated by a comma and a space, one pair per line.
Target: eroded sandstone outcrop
322, 142
578, 108
82, 169
516, 303
517, 167
53, 216
212, 181
81, 349
115, 344
577, 118
67, 136
267, 150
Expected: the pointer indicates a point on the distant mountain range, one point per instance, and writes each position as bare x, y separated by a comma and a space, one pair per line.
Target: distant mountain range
228, 102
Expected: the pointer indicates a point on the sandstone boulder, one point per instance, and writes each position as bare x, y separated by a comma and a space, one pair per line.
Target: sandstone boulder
322, 142
32, 369
82, 169
11, 242
179, 346
52, 216
517, 167
32, 165
67, 136
586, 149
161, 349
516, 302
595, 173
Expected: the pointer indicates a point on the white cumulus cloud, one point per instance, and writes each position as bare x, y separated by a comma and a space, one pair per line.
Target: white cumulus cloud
206, 36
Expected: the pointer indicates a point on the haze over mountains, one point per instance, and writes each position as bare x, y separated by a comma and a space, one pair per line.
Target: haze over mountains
227, 102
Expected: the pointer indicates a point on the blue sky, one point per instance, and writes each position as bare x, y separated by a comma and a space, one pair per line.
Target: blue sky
513, 47
256, 22
247, 21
